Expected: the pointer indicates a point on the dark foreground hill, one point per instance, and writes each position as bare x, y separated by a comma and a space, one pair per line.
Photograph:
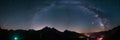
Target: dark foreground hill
44, 34
113, 34
53, 34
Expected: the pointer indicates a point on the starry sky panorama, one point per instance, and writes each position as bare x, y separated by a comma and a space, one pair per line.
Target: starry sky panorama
74, 15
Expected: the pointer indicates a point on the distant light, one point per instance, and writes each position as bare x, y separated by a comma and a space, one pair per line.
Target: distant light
15, 38
100, 38
101, 24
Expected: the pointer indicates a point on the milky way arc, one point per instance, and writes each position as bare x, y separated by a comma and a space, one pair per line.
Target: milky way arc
47, 14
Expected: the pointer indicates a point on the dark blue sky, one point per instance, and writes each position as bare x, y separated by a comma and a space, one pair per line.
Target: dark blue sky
19, 14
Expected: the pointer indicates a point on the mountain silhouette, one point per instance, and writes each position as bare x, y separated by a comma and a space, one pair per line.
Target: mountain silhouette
46, 33
113, 34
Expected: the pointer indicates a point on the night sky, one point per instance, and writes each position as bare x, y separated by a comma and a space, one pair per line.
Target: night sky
74, 15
